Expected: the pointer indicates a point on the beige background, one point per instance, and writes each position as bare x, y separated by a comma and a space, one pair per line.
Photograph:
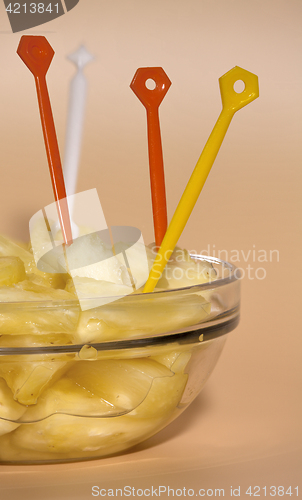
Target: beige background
245, 427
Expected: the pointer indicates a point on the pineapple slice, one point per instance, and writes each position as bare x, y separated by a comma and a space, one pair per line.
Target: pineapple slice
181, 362
124, 383
10, 410
90, 293
99, 388
66, 436
45, 291
27, 376
28, 308
146, 389
38, 280
181, 270
51, 339
11, 271
176, 361
163, 397
142, 315
10, 248
54, 280
91, 328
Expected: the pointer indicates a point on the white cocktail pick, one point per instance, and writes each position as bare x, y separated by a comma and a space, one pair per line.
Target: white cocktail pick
74, 129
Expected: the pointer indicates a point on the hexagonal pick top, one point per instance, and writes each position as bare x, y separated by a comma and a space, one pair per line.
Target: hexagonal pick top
233, 100
151, 99
37, 54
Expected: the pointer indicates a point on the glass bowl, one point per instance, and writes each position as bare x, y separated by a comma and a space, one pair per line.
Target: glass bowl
82, 385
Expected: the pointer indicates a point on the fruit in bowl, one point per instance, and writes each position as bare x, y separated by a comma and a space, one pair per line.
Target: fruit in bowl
81, 384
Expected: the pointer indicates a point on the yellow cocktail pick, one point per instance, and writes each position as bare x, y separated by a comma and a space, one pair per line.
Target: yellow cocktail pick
232, 101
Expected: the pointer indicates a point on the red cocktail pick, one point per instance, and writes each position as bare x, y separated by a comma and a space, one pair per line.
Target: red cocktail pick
151, 99
37, 54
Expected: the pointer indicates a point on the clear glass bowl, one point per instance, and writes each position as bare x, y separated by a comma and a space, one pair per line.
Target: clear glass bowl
68, 396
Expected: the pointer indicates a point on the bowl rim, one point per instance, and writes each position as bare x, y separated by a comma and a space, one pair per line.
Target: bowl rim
186, 336
208, 330
233, 275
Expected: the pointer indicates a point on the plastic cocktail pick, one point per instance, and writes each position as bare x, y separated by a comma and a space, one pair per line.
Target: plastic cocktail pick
76, 110
74, 129
37, 54
151, 99
232, 101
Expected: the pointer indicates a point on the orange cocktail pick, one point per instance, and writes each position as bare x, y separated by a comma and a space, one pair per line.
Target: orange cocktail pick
37, 54
151, 99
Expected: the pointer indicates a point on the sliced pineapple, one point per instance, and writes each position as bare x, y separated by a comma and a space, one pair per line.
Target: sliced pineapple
65, 436
53, 280
181, 270
27, 376
167, 359
142, 315
181, 362
176, 361
91, 328
183, 273
50, 339
45, 292
27, 308
11, 271
10, 410
102, 388
9, 248
38, 280
91, 387
163, 397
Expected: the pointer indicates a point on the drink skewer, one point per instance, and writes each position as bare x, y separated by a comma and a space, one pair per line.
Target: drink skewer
151, 99
37, 54
232, 101
74, 130
75, 120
